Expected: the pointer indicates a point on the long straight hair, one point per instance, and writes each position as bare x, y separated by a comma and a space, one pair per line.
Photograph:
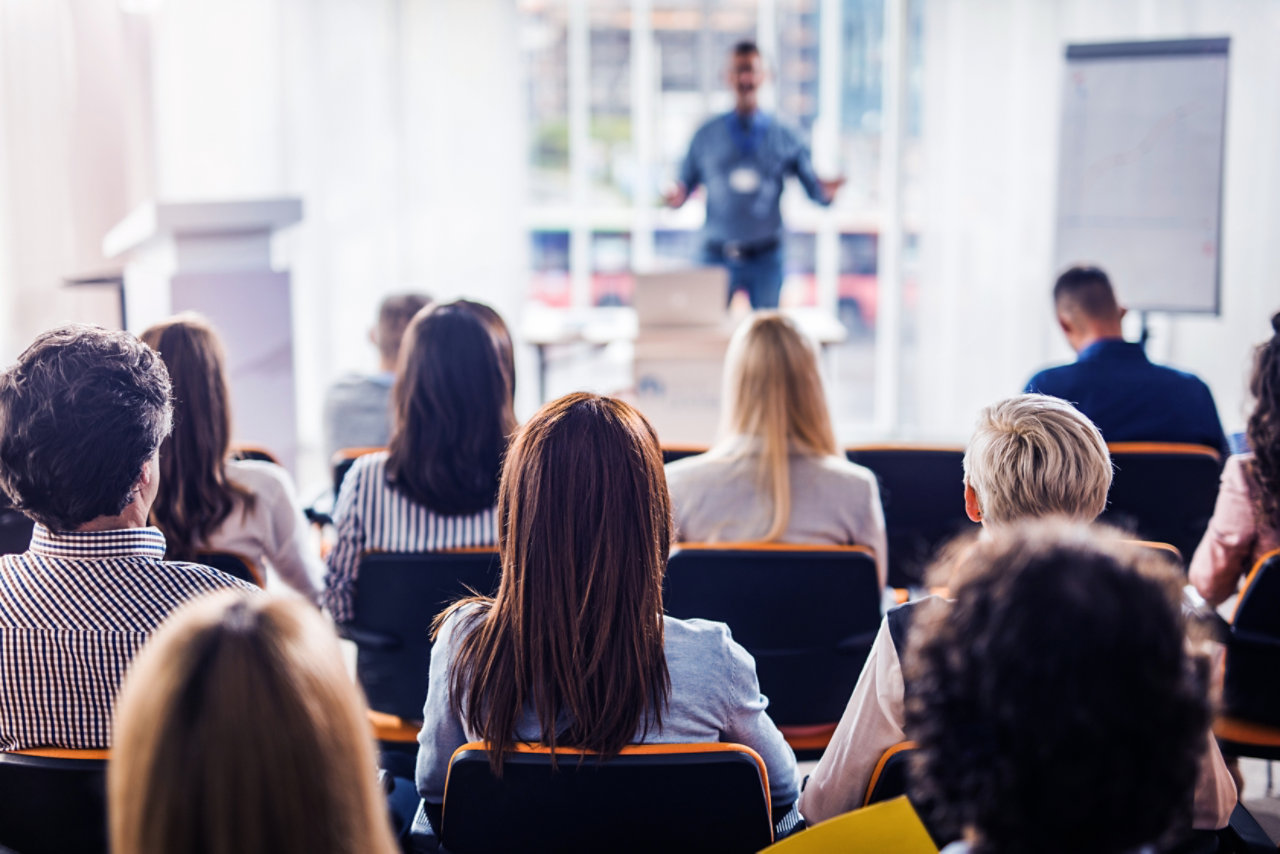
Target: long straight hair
576, 628
773, 393
195, 495
452, 409
239, 731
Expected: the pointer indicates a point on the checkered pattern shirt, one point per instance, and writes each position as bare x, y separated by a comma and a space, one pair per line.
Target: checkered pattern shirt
74, 610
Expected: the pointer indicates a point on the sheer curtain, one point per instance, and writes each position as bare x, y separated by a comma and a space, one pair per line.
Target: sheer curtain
993, 73
399, 124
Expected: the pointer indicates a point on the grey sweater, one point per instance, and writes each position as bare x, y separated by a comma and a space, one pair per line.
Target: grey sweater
715, 696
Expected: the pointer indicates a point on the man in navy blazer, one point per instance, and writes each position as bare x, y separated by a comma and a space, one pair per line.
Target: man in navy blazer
1112, 381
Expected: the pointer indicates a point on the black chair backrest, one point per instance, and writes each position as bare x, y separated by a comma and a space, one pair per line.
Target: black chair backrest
53, 805
1251, 688
253, 452
889, 779
922, 490
342, 462
685, 798
233, 564
1164, 492
807, 614
671, 453
15, 531
397, 596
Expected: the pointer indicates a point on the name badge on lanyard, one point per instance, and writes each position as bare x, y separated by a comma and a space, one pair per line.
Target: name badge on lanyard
746, 178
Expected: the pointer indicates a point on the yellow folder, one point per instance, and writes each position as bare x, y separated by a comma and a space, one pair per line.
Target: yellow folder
891, 827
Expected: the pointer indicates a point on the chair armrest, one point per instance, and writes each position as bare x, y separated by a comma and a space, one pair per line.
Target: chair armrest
858, 643
367, 638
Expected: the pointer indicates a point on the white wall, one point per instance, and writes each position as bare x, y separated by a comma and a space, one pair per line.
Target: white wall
993, 72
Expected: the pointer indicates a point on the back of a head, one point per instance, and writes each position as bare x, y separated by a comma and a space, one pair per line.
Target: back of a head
1085, 295
773, 393
452, 411
81, 413
1035, 455
394, 314
576, 627
1054, 703
194, 494
1263, 428
238, 731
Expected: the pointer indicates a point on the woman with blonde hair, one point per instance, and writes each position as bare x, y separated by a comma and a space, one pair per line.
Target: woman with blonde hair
574, 650
776, 473
239, 731
207, 501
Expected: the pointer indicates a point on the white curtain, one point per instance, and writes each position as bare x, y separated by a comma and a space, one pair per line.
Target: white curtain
983, 317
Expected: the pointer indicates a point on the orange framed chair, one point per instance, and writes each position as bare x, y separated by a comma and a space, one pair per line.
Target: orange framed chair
653, 797
807, 614
342, 461
397, 597
922, 490
233, 563
1242, 835
54, 801
1164, 491
671, 453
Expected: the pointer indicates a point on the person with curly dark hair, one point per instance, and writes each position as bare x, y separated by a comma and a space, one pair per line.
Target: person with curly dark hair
1055, 704
1246, 519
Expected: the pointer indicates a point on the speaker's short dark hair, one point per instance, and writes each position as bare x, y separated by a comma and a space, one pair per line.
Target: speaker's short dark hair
81, 412
1086, 290
746, 47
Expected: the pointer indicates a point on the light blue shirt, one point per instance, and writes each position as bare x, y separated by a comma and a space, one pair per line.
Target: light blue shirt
715, 696
744, 207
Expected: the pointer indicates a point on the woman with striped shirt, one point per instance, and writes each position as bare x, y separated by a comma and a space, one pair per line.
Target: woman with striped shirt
436, 484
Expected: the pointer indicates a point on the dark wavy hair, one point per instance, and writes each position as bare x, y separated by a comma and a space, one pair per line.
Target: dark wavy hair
81, 412
1263, 429
1054, 702
195, 495
452, 410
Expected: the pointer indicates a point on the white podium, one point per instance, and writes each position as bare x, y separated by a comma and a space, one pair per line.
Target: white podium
215, 258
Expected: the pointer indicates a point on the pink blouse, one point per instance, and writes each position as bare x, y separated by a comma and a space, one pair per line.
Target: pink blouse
1234, 539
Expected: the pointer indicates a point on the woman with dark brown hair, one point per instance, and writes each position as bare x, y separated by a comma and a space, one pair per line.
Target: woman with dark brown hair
207, 501
238, 731
436, 484
574, 650
1246, 519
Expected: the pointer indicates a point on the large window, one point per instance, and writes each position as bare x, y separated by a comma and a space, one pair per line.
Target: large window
616, 89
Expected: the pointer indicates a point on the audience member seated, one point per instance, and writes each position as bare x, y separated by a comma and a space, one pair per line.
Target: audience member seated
574, 651
82, 416
1112, 381
1054, 703
776, 473
240, 730
1246, 519
207, 501
435, 486
1031, 456
357, 408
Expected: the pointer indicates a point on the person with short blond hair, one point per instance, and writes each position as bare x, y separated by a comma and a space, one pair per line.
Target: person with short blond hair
1035, 455
776, 473
239, 730
1031, 456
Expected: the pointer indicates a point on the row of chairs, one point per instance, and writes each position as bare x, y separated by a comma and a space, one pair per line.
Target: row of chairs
704, 797
1162, 491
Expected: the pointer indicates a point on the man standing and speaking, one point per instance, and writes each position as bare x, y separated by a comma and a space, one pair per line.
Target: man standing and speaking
743, 158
